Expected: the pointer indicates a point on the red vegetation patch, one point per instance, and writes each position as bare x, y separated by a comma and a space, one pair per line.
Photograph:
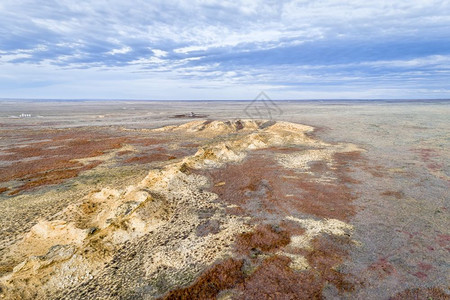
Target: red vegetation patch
145, 142
149, 158
375, 170
126, 152
329, 252
154, 151
222, 276
53, 177
426, 154
344, 161
155, 155
317, 130
420, 275
260, 186
50, 158
443, 240
397, 195
272, 277
325, 200
264, 190
318, 167
55, 154
382, 268
431, 158
264, 238
422, 293
24, 169
435, 166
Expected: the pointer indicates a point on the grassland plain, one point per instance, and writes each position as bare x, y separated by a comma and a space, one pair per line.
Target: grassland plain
122, 201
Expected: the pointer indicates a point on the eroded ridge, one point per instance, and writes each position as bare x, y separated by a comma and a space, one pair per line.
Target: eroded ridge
258, 198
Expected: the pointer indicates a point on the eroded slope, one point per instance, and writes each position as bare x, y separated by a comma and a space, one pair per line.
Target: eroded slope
257, 198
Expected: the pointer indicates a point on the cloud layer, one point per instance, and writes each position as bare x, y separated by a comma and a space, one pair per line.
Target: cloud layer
208, 49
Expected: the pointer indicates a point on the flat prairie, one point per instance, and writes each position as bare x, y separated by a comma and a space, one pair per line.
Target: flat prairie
224, 199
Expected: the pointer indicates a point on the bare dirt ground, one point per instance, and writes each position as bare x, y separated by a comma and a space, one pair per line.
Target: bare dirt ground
119, 200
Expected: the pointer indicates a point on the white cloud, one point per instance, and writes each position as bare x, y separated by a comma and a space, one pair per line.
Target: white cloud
122, 50
4, 58
159, 53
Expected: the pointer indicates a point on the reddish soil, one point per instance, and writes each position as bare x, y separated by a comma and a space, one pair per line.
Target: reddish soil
3, 189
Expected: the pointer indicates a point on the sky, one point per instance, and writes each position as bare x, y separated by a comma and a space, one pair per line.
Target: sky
211, 49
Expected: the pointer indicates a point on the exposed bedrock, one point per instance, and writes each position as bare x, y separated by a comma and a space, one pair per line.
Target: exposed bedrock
257, 198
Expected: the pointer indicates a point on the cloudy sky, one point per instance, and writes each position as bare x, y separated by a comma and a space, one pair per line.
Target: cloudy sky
221, 49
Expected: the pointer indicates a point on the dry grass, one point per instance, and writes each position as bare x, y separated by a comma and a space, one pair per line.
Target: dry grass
422, 293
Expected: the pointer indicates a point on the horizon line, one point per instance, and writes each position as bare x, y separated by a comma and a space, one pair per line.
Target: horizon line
243, 100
